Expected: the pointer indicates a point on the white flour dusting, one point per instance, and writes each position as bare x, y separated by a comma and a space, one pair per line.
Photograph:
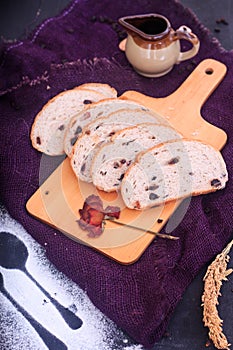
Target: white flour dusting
16, 333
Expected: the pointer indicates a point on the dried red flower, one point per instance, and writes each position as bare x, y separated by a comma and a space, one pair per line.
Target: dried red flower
112, 211
93, 214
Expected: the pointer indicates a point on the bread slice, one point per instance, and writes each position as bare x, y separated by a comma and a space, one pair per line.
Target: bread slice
99, 132
92, 112
172, 171
114, 158
48, 129
104, 89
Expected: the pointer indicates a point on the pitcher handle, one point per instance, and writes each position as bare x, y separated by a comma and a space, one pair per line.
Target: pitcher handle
185, 33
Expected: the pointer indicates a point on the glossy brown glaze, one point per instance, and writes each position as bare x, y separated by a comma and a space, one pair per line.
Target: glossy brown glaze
154, 44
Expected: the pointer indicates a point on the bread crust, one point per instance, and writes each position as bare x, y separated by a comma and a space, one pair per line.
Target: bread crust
105, 89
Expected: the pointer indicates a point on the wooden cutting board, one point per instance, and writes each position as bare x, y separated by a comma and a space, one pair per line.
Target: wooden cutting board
59, 198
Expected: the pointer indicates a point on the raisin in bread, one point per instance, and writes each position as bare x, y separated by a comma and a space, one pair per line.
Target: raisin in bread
113, 158
99, 132
48, 129
104, 89
92, 112
172, 171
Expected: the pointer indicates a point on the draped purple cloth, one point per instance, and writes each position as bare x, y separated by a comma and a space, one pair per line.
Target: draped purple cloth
78, 46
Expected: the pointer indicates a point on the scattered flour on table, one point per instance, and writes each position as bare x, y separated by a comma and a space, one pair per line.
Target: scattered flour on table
97, 331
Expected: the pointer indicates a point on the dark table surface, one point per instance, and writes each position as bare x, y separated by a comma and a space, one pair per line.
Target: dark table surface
186, 330
18, 18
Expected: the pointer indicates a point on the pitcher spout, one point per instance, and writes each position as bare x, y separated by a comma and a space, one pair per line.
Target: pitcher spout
149, 26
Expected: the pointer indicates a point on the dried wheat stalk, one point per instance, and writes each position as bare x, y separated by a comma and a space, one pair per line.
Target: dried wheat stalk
216, 273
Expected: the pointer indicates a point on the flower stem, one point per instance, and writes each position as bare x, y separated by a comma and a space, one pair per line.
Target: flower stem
161, 235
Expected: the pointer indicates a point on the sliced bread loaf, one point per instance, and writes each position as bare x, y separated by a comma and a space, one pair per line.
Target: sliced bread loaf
92, 112
171, 171
99, 132
48, 129
104, 89
113, 158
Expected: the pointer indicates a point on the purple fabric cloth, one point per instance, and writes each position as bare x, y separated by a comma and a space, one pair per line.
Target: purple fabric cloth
141, 297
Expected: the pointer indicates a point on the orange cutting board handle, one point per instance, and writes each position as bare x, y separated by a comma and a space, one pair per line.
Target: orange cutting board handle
182, 109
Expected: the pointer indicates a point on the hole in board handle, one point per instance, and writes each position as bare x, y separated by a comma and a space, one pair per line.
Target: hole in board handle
209, 71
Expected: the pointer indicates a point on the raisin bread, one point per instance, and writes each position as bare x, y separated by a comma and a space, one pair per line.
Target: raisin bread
92, 112
100, 131
48, 129
113, 158
171, 171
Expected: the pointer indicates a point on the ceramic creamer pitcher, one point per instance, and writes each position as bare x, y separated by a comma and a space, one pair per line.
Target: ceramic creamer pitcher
153, 47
